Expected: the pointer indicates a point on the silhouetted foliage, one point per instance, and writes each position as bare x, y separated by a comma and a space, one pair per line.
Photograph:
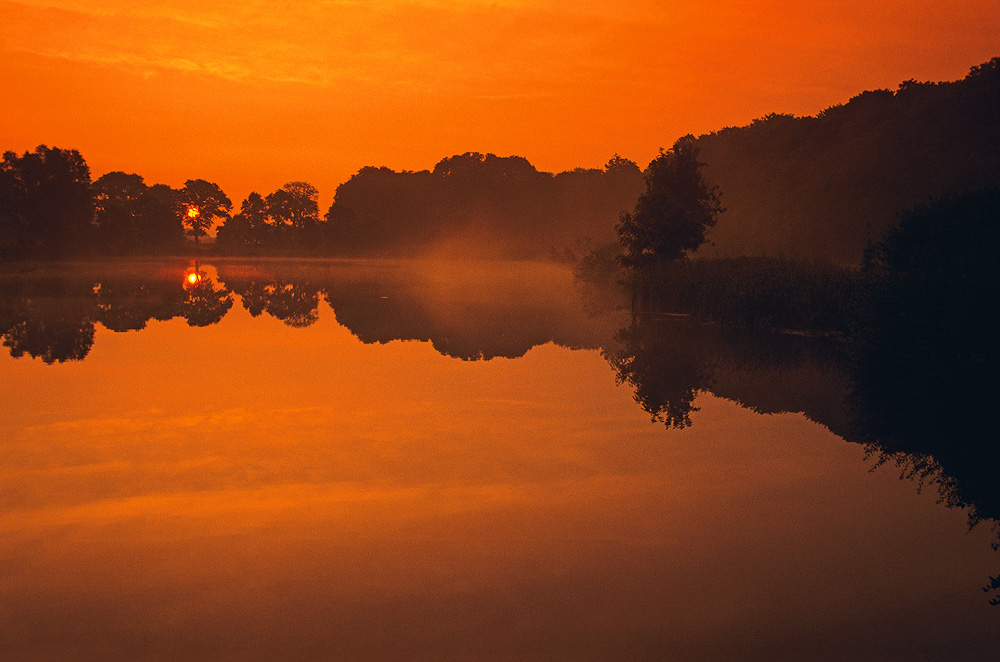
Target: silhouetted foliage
160, 220
209, 201
246, 232
294, 205
293, 212
45, 203
673, 213
116, 202
287, 220
131, 218
476, 204
925, 346
917, 321
49, 208
821, 188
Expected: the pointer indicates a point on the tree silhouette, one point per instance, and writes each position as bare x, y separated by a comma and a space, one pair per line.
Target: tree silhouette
205, 202
247, 230
294, 215
822, 187
926, 349
46, 204
671, 217
296, 204
159, 217
117, 197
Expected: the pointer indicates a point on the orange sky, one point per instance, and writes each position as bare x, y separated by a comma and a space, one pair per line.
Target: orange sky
253, 94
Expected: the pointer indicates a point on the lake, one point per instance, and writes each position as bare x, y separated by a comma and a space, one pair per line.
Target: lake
390, 460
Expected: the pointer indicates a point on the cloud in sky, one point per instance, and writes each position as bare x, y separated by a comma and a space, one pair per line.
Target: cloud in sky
428, 44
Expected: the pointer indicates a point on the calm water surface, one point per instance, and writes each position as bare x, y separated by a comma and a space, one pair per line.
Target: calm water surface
435, 461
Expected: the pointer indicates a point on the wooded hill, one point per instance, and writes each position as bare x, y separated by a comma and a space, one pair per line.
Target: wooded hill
820, 187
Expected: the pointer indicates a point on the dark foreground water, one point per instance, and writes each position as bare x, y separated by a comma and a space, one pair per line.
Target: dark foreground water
397, 461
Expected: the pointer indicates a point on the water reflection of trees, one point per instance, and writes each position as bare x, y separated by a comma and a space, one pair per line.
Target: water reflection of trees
668, 361
920, 400
924, 401
925, 410
378, 306
294, 303
380, 312
882, 393
459, 317
46, 318
665, 377
52, 318
50, 339
925, 355
205, 304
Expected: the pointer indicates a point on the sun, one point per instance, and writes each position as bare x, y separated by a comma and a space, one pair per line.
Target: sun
192, 212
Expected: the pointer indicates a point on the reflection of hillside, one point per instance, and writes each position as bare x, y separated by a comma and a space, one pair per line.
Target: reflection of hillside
51, 338
668, 361
919, 410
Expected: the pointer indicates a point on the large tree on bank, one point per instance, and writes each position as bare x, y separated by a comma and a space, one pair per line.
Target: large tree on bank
204, 202
46, 206
671, 217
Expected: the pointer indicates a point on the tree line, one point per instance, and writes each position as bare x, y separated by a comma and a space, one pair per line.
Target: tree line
481, 203
50, 207
818, 187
